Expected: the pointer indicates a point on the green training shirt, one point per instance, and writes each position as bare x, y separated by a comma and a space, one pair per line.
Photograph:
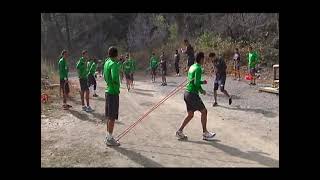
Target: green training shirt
82, 68
194, 78
63, 69
153, 62
252, 59
111, 76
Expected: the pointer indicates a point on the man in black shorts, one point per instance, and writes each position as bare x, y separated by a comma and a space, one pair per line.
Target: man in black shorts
163, 67
111, 76
193, 100
190, 54
176, 62
219, 67
83, 78
63, 73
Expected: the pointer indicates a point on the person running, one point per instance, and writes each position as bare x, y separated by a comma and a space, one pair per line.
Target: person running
127, 69
176, 62
193, 100
63, 73
190, 53
219, 67
111, 76
236, 64
153, 66
252, 62
163, 68
91, 76
83, 78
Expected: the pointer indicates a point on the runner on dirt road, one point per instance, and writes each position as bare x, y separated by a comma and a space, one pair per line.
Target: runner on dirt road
83, 79
111, 76
219, 67
193, 100
63, 73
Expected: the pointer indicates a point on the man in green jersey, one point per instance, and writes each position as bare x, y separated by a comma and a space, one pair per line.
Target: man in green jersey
153, 66
83, 78
91, 75
111, 76
63, 73
127, 69
132, 63
193, 100
252, 62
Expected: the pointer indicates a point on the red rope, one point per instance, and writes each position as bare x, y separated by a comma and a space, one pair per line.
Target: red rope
174, 91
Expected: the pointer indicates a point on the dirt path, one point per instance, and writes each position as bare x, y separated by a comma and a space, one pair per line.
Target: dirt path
247, 131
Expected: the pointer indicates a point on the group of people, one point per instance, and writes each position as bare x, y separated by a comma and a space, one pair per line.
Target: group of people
86, 71
114, 69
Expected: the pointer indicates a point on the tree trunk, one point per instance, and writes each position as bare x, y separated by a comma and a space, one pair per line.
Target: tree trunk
67, 31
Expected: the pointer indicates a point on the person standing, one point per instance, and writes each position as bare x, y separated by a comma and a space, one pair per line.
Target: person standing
236, 64
83, 79
190, 54
92, 77
63, 73
176, 62
252, 62
153, 66
111, 76
163, 67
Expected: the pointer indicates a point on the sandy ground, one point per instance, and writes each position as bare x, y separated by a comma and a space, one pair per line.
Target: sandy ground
247, 131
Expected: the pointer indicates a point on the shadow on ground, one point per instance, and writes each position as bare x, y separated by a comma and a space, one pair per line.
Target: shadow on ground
250, 155
266, 113
137, 157
141, 93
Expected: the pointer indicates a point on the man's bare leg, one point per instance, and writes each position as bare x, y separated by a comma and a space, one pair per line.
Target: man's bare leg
186, 120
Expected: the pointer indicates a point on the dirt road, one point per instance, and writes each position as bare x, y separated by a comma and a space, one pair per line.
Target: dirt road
247, 131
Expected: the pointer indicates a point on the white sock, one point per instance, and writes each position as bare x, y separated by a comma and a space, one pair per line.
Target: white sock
109, 136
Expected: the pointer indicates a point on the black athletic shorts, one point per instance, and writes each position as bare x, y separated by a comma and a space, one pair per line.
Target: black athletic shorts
236, 66
91, 80
193, 102
252, 71
154, 71
84, 84
112, 106
190, 61
220, 81
131, 76
163, 72
128, 76
64, 86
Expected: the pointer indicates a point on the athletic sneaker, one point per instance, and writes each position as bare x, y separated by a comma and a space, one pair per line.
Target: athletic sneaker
230, 100
84, 108
95, 95
89, 109
180, 135
208, 136
112, 142
239, 79
69, 106
215, 104
164, 84
65, 107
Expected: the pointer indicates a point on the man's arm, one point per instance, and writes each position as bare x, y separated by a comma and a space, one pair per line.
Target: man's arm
197, 80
